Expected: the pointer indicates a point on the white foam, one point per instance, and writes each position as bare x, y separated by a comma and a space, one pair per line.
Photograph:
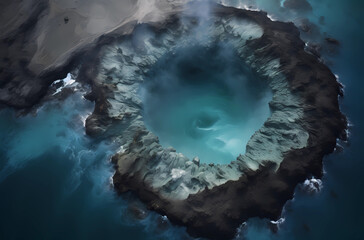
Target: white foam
111, 179
279, 221
67, 82
312, 185
272, 18
84, 117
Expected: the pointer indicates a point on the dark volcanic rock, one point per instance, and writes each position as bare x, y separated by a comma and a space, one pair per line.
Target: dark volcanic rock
314, 48
332, 41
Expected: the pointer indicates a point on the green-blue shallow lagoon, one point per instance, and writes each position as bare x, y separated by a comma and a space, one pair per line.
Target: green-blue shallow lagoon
205, 102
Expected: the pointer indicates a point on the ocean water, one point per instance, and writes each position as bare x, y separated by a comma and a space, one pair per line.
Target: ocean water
55, 181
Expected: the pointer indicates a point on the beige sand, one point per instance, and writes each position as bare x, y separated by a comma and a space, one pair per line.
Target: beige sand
53, 41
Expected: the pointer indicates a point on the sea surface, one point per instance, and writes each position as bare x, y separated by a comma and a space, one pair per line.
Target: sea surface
55, 181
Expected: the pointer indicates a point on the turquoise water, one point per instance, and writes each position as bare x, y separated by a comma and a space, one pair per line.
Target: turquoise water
205, 103
54, 180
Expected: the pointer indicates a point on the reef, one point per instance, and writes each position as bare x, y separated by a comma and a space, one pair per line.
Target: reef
213, 200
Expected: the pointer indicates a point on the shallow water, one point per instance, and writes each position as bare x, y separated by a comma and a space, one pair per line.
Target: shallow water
54, 180
205, 103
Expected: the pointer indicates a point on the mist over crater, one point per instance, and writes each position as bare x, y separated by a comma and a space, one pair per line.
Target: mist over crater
205, 102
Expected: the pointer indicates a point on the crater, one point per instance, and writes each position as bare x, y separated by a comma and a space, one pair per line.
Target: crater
205, 102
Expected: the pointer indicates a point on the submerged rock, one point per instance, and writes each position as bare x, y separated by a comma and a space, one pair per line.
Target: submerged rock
137, 212
332, 41
302, 5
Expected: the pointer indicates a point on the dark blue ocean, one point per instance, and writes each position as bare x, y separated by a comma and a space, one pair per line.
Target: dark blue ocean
55, 180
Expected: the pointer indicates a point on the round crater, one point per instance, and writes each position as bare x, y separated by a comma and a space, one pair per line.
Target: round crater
143, 78
205, 102
199, 86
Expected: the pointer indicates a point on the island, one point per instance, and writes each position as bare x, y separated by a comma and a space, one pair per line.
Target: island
210, 200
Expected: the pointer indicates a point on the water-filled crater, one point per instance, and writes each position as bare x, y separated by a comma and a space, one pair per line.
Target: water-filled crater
205, 102
195, 88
